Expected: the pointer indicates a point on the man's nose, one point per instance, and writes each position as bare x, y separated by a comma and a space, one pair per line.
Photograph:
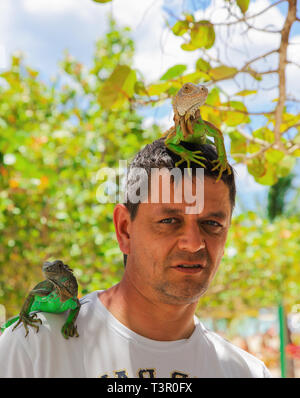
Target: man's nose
191, 239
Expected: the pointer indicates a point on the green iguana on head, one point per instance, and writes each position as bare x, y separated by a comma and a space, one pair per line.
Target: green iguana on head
56, 294
190, 127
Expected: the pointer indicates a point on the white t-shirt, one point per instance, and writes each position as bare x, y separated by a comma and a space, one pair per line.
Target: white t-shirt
106, 348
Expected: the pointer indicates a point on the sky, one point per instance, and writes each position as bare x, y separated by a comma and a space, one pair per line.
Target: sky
44, 29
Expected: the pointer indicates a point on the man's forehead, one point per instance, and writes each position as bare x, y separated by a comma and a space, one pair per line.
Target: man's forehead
173, 210
215, 199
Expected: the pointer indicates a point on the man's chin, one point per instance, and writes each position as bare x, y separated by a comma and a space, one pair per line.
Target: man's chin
182, 296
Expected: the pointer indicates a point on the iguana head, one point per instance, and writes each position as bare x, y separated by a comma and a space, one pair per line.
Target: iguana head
55, 267
189, 98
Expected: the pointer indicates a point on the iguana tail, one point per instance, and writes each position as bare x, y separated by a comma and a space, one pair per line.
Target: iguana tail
8, 323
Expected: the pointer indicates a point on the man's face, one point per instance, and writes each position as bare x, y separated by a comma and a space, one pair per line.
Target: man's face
173, 256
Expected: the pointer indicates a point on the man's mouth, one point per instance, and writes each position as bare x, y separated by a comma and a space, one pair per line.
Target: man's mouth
189, 268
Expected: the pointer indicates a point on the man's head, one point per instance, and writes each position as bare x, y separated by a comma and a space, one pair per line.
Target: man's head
170, 254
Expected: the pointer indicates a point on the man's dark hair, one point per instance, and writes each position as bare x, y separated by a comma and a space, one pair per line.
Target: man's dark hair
157, 155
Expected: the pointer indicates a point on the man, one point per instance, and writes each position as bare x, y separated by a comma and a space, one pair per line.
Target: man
145, 326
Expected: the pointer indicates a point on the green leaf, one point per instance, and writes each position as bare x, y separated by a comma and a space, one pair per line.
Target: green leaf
158, 89
195, 77
273, 155
256, 167
243, 93
202, 65
118, 87
189, 46
222, 72
238, 143
180, 28
235, 118
213, 97
270, 177
129, 85
139, 88
243, 5
265, 134
253, 147
203, 34
173, 72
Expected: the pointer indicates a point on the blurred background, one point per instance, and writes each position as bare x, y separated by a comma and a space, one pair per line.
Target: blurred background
86, 84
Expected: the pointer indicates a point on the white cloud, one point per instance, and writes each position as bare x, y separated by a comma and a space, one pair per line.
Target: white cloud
293, 71
5, 17
84, 9
44, 29
48, 6
245, 182
138, 14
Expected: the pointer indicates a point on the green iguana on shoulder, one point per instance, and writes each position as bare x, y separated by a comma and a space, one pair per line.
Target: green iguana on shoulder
57, 294
190, 127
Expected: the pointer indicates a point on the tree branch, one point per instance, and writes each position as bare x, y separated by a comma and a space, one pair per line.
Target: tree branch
249, 16
293, 148
261, 29
259, 57
290, 19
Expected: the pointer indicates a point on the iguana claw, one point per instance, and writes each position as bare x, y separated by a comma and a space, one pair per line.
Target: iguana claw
28, 320
223, 167
189, 157
69, 330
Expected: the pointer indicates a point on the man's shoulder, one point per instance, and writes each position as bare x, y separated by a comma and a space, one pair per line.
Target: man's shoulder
51, 323
235, 358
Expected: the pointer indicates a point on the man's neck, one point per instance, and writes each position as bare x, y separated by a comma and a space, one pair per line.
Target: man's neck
154, 320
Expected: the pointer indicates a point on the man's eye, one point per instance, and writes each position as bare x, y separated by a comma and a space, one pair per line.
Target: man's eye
167, 220
213, 223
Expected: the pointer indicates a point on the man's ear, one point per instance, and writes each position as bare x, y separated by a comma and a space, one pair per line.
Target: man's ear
122, 223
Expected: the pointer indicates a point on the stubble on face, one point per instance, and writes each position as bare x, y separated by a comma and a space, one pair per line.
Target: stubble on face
181, 289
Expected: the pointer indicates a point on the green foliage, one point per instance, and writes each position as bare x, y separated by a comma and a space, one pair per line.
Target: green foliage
173, 72
53, 141
201, 33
